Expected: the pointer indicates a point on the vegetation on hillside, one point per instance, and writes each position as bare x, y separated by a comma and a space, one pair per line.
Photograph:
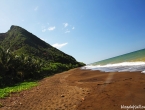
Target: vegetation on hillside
20, 41
15, 68
23, 56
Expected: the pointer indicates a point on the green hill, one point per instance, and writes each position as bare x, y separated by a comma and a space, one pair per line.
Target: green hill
129, 57
23, 56
20, 41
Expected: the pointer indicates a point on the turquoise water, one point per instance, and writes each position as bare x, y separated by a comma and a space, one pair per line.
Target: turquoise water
136, 55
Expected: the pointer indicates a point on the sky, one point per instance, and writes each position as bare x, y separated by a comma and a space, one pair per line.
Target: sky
88, 30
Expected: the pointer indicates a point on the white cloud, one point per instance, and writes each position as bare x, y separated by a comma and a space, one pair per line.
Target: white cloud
67, 31
65, 24
36, 8
51, 28
56, 45
73, 28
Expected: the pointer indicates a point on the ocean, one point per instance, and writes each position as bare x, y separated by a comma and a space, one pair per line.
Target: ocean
118, 67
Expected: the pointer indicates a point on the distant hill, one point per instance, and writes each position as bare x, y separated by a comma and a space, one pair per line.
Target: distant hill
20, 41
129, 57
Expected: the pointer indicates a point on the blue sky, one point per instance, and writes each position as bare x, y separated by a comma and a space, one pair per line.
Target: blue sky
89, 30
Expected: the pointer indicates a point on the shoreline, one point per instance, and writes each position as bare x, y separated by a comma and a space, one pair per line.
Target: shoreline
79, 89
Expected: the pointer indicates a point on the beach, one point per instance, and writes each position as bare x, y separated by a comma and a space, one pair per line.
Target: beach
80, 89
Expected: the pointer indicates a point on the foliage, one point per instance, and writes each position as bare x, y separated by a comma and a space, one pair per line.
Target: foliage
20, 68
17, 88
20, 41
53, 68
26, 57
17, 68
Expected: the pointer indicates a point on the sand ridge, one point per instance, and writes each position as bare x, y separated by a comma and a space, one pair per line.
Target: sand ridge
81, 90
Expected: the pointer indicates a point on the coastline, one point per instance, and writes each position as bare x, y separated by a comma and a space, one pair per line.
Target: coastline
79, 89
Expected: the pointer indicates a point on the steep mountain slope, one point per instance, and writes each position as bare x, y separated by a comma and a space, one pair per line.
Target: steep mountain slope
2, 37
20, 41
129, 57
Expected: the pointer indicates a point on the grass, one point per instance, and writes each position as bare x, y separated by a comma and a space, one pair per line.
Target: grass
4, 92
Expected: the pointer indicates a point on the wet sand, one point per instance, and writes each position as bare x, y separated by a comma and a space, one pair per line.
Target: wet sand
81, 90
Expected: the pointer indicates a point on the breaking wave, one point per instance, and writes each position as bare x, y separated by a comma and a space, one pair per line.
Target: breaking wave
119, 67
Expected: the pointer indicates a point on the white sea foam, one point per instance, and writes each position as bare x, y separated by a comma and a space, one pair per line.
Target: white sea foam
119, 67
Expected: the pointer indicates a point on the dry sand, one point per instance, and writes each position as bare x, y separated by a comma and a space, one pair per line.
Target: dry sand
81, 90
